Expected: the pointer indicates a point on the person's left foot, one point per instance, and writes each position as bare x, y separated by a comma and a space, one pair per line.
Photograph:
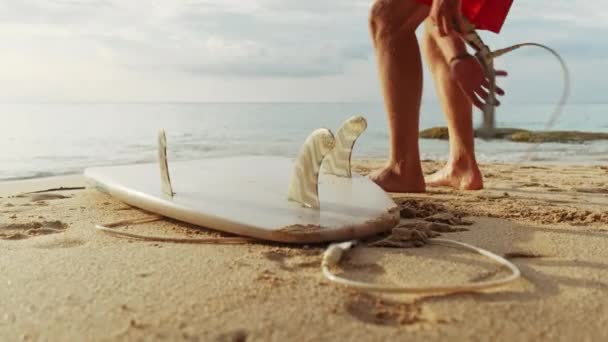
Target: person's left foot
460, 176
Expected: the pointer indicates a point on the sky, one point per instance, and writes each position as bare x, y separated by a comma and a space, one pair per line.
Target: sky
261, 50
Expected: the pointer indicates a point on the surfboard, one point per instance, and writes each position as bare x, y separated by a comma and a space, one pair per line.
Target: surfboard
271, 198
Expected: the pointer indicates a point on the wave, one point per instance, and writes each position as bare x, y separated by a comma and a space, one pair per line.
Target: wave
43, 174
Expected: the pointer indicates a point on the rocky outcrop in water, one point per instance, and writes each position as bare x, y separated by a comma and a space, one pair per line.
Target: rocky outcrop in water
522, 135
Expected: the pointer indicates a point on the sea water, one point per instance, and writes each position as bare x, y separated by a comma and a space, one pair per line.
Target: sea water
39, 140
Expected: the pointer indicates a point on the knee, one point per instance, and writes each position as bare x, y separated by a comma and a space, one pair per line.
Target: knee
391, 18
381, 19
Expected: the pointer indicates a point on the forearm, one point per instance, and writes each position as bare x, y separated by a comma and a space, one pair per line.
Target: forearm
451, 46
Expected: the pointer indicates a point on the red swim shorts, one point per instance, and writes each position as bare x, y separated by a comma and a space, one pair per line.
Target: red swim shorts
485, 14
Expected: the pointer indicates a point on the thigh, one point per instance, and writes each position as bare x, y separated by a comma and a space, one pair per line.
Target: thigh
398, 15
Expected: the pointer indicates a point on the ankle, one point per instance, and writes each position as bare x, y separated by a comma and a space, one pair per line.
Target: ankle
404, 167
462, 162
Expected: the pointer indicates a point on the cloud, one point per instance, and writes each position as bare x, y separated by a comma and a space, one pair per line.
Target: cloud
574, 13
146, 49
265, 38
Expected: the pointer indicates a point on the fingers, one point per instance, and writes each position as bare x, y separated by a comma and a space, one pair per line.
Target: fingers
440, 28
444, 25
486, 83
482, 93
499, 90
448, 18
485, 96
481, 103
437, 22
474, 97
459, 22
477, 102
496, 102
480, 97
455, 15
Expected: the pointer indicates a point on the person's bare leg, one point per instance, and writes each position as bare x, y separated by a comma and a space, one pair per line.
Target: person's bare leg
461, 170
392, 25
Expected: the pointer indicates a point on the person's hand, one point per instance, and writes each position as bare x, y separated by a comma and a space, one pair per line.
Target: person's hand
446, 15
471, 78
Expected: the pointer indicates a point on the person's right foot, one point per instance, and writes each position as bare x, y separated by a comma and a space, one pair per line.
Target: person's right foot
400, 179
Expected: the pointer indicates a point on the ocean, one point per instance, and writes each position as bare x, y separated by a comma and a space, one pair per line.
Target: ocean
39, 140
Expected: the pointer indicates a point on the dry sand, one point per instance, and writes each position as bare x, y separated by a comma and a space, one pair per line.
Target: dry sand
62, 281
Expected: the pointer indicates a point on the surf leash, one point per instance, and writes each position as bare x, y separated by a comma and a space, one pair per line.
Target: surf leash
110, 229
486, 58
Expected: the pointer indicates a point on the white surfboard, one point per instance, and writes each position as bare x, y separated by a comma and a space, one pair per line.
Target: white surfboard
270, 198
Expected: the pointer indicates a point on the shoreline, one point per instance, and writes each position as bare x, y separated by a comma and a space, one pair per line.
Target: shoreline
78, 177
36, 184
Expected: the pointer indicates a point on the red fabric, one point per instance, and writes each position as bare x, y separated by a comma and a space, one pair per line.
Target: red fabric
485, 14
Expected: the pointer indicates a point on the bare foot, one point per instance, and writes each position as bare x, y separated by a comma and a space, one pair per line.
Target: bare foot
398, 178
460, 176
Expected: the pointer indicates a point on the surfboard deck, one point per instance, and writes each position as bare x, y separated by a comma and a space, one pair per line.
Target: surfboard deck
248, 196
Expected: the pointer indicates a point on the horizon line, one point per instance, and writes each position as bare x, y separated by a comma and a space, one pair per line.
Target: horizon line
92, 102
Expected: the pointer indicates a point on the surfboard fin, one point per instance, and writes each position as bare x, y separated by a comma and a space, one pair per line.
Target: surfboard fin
338, 161
165, 179
304, 184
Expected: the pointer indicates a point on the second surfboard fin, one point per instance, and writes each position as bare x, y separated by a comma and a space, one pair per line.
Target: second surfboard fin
338, 161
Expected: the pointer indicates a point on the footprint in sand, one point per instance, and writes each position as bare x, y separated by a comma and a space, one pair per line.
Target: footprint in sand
378, 311
61, 243
307, 258
38, 199
20, 231
47, 197
603, 191
233, 336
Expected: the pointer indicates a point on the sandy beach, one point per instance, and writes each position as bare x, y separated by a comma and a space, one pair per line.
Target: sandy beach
62, 281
